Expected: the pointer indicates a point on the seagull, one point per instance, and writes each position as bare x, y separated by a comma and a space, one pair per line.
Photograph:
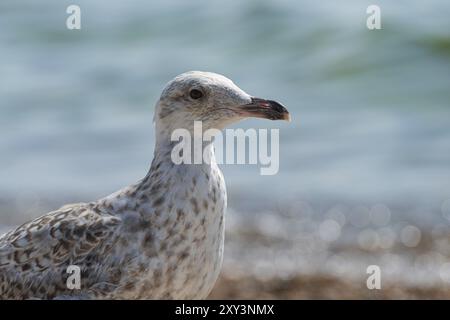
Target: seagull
160, 238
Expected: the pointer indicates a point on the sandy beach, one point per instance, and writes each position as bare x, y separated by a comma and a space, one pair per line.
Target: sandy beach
317, 287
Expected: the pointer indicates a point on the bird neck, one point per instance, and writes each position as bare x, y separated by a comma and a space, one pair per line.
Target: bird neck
187, 149
185, 155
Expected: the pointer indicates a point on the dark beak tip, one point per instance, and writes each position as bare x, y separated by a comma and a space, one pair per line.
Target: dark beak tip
281, 110
287, 117
269, 109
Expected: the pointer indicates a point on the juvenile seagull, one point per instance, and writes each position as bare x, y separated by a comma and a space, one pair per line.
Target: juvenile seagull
161, 238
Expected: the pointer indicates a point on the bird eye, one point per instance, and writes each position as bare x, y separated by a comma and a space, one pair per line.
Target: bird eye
196, 94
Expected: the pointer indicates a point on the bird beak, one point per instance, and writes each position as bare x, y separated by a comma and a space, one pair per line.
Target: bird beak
267, 109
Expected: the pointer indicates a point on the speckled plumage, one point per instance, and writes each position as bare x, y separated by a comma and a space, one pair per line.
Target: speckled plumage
159, 238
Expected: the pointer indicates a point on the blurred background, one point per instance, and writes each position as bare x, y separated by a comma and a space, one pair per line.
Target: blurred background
364, 166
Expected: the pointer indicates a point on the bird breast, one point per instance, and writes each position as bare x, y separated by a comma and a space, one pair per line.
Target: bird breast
177, 235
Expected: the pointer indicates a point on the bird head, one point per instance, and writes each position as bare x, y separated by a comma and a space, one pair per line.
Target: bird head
212, 99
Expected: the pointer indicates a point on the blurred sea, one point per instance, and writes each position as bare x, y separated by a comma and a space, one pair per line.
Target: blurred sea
370, 134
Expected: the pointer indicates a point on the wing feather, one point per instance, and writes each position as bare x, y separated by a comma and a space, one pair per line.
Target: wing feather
42, 247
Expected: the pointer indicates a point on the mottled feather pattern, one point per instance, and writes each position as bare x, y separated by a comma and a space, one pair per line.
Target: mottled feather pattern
155, 239
43, 248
